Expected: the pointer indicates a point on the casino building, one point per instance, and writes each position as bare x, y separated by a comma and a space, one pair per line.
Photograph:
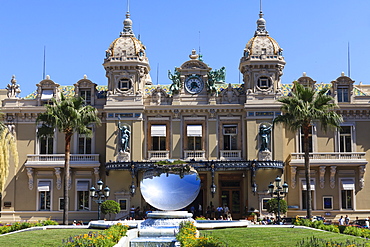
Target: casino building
222, 129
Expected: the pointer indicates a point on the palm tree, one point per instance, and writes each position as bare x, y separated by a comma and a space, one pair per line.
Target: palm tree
300, 109
8, 146
67, 115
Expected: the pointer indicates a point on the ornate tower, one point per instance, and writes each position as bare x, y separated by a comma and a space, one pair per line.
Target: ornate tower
127, 67
262, 63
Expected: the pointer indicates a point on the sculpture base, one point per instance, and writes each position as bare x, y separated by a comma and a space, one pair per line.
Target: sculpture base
123, 157
264, 155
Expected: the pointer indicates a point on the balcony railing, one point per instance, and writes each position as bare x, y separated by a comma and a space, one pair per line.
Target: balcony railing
57, 160
348, 158
194, 154
230, 154
158, 155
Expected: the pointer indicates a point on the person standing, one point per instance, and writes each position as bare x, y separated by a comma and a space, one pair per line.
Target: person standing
346, 220
341, 221
132, 212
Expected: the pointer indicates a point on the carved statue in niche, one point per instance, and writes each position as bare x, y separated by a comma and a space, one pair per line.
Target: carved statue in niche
125, 135
13, 89
265, 134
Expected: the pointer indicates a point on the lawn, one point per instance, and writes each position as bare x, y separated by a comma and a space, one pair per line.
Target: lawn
233, 237
282, 237
52, 237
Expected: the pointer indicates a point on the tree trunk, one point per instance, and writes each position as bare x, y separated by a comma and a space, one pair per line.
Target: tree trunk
67, 153
307, 170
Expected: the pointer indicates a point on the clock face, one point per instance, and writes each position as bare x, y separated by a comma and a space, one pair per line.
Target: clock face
194, 84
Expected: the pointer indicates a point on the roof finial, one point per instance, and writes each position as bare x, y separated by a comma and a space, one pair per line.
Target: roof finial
127, 23
261, 23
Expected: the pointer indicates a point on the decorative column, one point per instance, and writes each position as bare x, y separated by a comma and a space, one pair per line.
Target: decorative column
293, 172
30, 178
59, 179
333, 170
322, 176
361, 173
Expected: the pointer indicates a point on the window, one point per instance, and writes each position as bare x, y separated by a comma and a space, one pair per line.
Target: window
347, 188
230, 137
264, 82
46, 145
86, 95
194, 134
47, 94
264, 203
310, 145
83, 198
46, 142
84, 144
304, 193
158, 135
327, 202
123, 204
43, 188
345, 139
124, 84
342, 94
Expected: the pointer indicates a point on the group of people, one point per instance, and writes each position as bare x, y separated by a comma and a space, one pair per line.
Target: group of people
345, 221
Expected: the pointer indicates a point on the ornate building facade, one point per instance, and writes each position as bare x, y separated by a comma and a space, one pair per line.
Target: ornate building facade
223, 130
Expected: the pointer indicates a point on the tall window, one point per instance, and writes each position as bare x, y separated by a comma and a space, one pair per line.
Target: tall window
310, 145
348, 186
46, 145
230, 137
194, 134
158, 135
342, 93
84, 144
86, 95
345, 139
304, 193
124, 84
43, 188
83, 198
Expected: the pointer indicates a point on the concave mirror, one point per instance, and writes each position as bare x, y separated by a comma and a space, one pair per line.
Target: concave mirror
170, 190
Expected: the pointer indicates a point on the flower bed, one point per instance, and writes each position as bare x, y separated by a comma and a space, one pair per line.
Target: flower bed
187, 237
106, 238
6, 228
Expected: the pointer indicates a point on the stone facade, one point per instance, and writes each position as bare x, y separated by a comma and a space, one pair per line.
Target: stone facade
199, 118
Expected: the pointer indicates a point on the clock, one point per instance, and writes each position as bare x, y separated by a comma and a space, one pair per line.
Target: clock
194, 84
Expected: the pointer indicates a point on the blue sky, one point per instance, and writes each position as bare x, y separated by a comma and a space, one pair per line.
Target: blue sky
314, 35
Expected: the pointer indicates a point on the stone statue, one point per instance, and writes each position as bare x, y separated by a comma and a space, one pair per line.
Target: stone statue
13, 89
125, 136
265, 132
176, 81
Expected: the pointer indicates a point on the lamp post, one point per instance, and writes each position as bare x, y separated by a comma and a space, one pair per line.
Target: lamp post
99, 195
278, 191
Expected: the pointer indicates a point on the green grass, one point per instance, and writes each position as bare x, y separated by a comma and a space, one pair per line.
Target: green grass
281, 237
40, 238
233, 237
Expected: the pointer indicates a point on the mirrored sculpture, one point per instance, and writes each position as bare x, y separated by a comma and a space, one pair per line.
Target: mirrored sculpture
170, 190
